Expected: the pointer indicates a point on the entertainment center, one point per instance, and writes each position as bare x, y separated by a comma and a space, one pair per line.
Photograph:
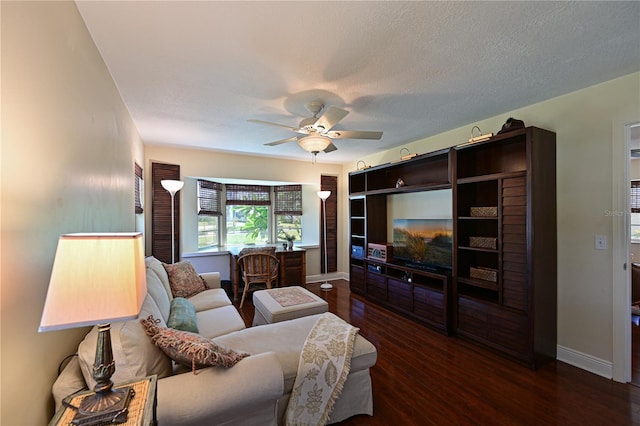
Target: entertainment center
493, 281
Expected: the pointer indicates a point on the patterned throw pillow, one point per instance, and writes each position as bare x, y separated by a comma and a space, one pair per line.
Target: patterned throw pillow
184, 280
183, 315
190, 349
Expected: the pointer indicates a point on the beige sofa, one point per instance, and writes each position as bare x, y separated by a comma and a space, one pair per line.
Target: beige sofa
253, 392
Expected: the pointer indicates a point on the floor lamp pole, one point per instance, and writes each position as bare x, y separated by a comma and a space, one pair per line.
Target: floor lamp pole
172, 186
323, 196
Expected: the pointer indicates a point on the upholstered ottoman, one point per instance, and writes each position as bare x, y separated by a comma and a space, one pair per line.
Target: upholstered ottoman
285, 303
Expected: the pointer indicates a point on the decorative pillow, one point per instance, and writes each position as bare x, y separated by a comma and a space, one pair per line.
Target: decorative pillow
183, 315
184, 280
188, 348
134, 354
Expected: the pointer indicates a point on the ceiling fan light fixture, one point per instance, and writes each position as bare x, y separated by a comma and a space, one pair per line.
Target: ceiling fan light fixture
314, 143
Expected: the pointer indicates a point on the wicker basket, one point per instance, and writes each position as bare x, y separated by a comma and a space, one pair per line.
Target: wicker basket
483, 242
486, 274
484, 211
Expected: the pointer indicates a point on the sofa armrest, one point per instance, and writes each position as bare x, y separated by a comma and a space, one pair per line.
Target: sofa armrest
211, 279
223, 396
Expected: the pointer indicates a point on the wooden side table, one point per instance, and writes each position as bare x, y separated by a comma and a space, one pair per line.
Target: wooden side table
142, 408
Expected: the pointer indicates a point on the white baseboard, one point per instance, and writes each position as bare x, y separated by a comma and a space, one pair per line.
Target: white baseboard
585, 361
332, 276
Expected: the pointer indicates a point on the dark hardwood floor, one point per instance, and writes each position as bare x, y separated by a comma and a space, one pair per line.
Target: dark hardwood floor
424, 378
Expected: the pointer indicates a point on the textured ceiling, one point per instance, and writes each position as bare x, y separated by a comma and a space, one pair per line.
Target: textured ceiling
193, 73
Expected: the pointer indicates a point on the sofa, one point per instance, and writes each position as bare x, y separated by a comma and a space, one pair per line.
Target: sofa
255, 391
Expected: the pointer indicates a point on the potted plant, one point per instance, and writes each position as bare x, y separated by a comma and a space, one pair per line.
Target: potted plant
289, 238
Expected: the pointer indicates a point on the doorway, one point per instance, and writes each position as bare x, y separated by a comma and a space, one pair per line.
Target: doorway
633, 239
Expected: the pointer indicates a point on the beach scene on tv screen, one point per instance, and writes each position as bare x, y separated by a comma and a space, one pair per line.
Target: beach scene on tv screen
424, 241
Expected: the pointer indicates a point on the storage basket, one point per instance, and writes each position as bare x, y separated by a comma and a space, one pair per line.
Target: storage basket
483, 242
486, 274
484, 211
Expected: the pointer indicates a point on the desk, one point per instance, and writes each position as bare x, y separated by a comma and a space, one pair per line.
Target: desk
292, 269
142, 408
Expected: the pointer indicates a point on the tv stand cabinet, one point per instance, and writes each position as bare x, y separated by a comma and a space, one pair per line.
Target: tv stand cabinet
502, 290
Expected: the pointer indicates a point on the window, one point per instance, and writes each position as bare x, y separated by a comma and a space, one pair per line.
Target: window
247, 214
209, 212
635, 210
288, 211
138, 189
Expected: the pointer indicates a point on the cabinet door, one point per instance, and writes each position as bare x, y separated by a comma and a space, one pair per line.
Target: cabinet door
377, 286
429, 305
292, 268
400, 295
356, 279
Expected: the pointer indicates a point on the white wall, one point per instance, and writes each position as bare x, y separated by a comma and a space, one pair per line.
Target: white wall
589, 125
68, 153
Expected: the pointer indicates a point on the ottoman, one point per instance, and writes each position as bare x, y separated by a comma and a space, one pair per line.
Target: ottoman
285, 303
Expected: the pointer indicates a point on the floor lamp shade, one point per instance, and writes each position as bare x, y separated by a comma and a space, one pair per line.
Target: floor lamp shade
96, 278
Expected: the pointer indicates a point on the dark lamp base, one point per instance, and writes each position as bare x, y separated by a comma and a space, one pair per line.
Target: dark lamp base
104, 407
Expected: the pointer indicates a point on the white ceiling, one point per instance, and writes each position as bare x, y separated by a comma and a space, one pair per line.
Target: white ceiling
193, 73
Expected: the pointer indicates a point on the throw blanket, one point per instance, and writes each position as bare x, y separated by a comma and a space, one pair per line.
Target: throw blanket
322, 370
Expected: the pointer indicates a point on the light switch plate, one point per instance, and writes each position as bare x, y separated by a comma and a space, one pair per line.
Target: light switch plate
601, 242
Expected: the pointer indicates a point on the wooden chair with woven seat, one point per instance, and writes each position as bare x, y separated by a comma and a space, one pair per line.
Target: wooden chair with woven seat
258, 268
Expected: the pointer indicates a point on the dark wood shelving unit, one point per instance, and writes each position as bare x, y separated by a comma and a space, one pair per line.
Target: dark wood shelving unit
501, 294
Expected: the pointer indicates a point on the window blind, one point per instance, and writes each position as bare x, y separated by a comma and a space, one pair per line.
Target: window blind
248, 195
138, 189
288, 199
209, 198
635, 196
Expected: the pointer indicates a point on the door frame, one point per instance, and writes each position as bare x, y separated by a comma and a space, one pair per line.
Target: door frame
621, 289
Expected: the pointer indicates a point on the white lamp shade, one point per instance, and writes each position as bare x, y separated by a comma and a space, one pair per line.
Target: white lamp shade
172, 186
324, 194
314, 143
96, 279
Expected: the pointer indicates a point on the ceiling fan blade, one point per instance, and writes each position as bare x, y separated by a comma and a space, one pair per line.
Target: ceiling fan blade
330, 148
354, 134
281, 141
268, 123
330, 118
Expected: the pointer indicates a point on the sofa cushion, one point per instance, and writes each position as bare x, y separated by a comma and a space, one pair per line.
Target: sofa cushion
188, 348
286, 339
210, 299
219, 321
156, 266
158, 292
184, 280
133, 352
183, 315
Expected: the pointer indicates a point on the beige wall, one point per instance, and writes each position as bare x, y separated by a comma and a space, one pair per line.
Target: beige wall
201, 163
68, 148
590, 127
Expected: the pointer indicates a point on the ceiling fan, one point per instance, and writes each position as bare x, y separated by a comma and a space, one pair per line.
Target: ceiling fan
317, 131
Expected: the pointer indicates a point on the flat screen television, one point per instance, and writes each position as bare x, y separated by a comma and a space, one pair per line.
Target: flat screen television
423, 243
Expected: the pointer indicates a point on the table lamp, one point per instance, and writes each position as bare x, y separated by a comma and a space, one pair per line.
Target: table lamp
97, 279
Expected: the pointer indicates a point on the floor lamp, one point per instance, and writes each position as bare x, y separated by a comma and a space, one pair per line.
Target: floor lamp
323, 196
172, 186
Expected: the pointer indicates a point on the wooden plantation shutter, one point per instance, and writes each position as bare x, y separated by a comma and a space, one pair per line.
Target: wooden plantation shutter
209, 198
635, 196
138, 189
161, 213
288, 200
248, 195
330, 183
